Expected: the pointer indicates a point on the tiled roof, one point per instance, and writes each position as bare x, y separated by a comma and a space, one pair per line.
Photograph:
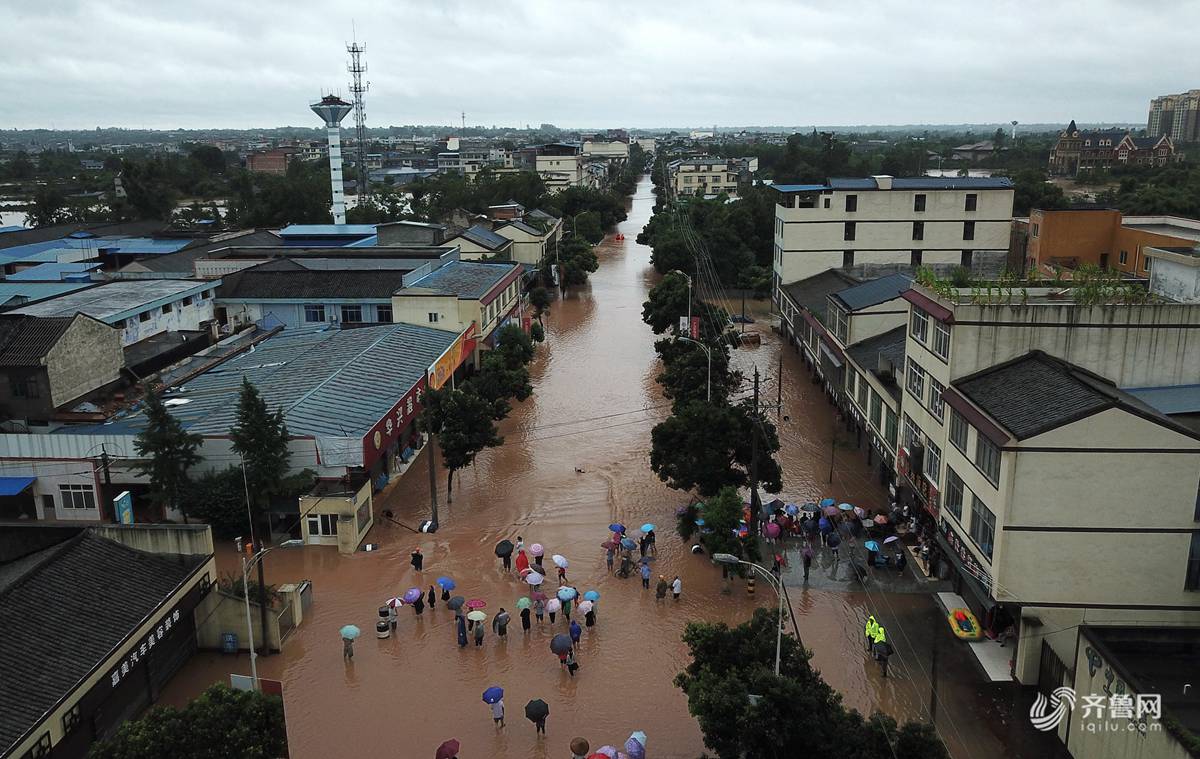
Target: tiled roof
304, 283
115, 300
874, 292
184, 260
1037, 393
813, 292
888, 346
464, 279
24, 340
524, 228
481, 235
64, 611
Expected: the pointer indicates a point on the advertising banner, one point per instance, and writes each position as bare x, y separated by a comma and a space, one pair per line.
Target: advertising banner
442, 369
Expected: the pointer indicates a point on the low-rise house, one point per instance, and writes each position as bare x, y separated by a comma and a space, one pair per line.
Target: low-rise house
478, 241
459, 294
529, 244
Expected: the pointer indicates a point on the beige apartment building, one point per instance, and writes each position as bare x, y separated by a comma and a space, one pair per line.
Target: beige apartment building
710, 175
1058, 498
529, 244
947, 221
460, 293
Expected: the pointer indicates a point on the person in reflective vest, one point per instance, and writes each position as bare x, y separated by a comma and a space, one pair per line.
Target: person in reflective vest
870, 630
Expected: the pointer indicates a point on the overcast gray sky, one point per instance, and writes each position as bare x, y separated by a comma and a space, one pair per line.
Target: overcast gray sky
257, 63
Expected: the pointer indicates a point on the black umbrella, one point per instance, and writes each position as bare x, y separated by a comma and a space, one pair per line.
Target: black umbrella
561, 643
456, 602
536, 710
504, 548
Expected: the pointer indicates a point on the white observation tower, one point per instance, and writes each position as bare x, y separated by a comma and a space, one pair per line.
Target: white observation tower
332, 109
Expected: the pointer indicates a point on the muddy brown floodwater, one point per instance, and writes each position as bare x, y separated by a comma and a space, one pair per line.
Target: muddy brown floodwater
594, 403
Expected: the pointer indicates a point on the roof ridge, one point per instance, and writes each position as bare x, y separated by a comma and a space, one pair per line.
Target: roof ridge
50, 554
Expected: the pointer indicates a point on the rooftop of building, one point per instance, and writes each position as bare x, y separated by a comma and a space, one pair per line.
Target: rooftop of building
521, 225
883, 349
184, 260
1035, 393
1156, 660
1169, 399
24, 340
868, 184
120, 587
327, 230
315, 279
468, 280
49, 272
14, 293
1171, 226
112, 301
813, 292
873, 292
328, 382
484, 237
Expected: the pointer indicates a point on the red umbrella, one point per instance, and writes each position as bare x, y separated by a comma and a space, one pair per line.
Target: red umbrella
522, 561
881, 519
608, 545
538, 595
448, 750
476, 603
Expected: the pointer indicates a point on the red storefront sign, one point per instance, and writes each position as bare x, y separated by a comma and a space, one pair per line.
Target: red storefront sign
388, 429
959, 548
926, 491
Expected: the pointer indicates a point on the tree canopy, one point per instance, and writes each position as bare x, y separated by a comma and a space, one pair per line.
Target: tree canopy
220, 722
794, 714
705, 447
168, 452
260, 437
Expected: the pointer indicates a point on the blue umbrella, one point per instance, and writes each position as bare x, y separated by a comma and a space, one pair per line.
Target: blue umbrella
824, 524
591, 595
845, 507
350, 632
617, 527
699, 521
648, 527
628, 543
446, 583
493, 694
810, 508
871, 545
827, 502
792, 509
567, 594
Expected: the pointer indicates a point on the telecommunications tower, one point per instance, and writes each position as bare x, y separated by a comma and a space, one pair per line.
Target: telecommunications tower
358, 88
332, 109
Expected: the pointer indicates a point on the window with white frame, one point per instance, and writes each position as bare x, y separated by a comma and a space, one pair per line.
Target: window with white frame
863, 390
987, 459
919, 324
983, 526
916, 380
383, 313
941, 339
876, 410
322, 525
314, 313
955, 492
933, 461
841, 324
911, 433
77, 496
352, 314
936, 404
958, 431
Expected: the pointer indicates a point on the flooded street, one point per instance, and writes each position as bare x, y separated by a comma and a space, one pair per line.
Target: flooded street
594, 403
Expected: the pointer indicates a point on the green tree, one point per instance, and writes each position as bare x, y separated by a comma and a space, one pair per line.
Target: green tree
578, 260
667, 302
722, 518
209, 158
49, 207
540, 298
260, 437
151, 194
220, 722
467, 427
705, 447
794, 714
1031, 190
168, 452
537, 333
687, 375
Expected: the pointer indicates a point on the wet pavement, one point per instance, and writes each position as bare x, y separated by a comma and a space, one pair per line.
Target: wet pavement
594, 403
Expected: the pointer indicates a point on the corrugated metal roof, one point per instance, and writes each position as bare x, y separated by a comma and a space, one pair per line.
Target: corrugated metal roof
27, 291
51, 271
481, 235
327, 230
874, 292
464, 279
1169, 399
116, 300
328, 382
798, 187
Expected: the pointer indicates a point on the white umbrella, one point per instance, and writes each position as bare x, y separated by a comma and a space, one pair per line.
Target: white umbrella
559, 560
533, 578
890, 539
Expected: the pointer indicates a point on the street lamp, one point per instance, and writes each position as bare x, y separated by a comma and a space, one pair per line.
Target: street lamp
777, 584
708, 354
686, 276
247, 565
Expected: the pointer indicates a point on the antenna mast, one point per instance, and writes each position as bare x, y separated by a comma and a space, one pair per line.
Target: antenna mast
358, 88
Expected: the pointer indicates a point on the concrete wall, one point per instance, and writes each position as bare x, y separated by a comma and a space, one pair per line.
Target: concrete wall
526, 248
415, 309
869, 322
187, 540
292, 314
228, 615
87, 357
1080, 235
180, 317
1175, 279
347, 507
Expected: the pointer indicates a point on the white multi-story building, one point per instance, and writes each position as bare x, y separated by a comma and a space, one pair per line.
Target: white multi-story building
886, 220
710, 175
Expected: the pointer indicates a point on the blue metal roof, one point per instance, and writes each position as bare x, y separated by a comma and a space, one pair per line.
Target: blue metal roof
123, 245
27, 291
799, 187
6, 230
327, 230
48, 272
14, 485
1169, 399
874, 292
481, 235
327, 381
366, 242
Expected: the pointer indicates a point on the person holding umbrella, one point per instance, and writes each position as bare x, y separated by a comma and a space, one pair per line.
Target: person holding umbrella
446, 585
417, 560
536, 711
504, 550
523, 604
494, 697
349, 633
448, 750
478, 627
419, 604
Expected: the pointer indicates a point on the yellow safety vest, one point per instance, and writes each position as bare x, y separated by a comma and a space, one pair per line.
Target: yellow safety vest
872, 625
880, 634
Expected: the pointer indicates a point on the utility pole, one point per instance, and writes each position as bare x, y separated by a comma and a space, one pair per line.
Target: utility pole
262, 602
754, 501
107, 485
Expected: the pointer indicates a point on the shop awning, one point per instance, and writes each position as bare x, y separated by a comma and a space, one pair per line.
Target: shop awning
14, 485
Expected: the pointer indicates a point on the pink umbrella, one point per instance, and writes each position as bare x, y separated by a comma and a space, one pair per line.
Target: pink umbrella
830, 511
585, 606
553, 605
772, 530
609, 751
881, 519
538, 595
536, 549
476, 603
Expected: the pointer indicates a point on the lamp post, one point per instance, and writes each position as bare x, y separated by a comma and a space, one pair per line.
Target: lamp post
708, 354
777, 584
247, 564
688, 277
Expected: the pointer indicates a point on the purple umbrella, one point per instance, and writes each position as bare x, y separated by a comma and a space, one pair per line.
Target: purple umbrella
411, 595
635, 749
